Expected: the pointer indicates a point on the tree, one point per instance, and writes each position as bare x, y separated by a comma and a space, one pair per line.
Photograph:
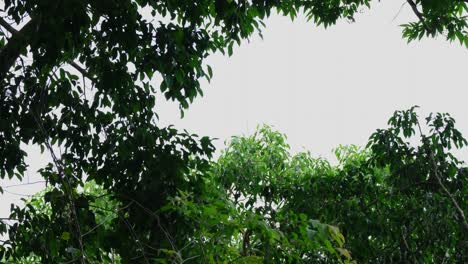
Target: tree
226, 230
105, 123
255, 173
394, 201
40, 229
389, 202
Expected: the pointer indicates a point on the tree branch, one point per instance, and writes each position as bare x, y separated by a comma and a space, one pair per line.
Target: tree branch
459, 210
9, 54
18, 41
7, 26
82, 71
460, 213
419, 14
246, 242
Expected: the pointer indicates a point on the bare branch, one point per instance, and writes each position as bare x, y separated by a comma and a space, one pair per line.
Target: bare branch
7, 26
399, 11
82, 71
22, 184
107, 219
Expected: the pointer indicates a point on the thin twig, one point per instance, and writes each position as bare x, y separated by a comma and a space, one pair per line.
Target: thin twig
168, 236
105, 220
399, 11
133, 234
438, 177
67, 188
82, 71
190, 258
21, 184
459, 210
18, 194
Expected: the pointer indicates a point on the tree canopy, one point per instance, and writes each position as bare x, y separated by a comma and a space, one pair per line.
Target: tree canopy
82, 77
390, 202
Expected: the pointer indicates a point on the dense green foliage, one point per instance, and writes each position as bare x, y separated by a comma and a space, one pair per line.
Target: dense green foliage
395, 202
82, 77
392, 202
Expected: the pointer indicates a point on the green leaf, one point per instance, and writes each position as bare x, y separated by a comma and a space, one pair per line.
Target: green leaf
65, 236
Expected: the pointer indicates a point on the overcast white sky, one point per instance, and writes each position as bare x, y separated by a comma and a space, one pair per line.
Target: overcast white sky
328, 87
320, 87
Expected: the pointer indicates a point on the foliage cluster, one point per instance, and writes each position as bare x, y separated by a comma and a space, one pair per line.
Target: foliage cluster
82, 77
391, 202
